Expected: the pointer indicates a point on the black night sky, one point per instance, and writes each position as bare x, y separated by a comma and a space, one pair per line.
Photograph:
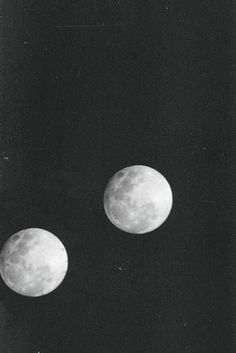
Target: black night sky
89, 87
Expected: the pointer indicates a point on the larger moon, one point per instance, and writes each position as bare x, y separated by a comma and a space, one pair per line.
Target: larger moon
138, 199
33, 262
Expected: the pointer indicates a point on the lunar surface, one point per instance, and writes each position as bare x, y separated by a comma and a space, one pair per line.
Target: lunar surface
33, 262
138, 199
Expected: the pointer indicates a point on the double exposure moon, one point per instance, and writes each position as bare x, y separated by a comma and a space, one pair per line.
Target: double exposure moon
33, 262
138, 199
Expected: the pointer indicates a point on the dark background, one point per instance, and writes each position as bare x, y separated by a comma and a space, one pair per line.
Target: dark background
87, 88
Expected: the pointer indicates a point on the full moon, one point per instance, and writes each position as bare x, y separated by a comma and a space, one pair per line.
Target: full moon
138, 199
33, 262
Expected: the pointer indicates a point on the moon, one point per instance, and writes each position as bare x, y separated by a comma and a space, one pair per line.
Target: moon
33, 262
137, 199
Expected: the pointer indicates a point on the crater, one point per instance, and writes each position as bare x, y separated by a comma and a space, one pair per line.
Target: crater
120, 174
133, 173
126, 185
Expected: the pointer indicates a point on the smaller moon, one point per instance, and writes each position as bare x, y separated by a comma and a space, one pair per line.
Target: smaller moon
33, 262
138, 199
